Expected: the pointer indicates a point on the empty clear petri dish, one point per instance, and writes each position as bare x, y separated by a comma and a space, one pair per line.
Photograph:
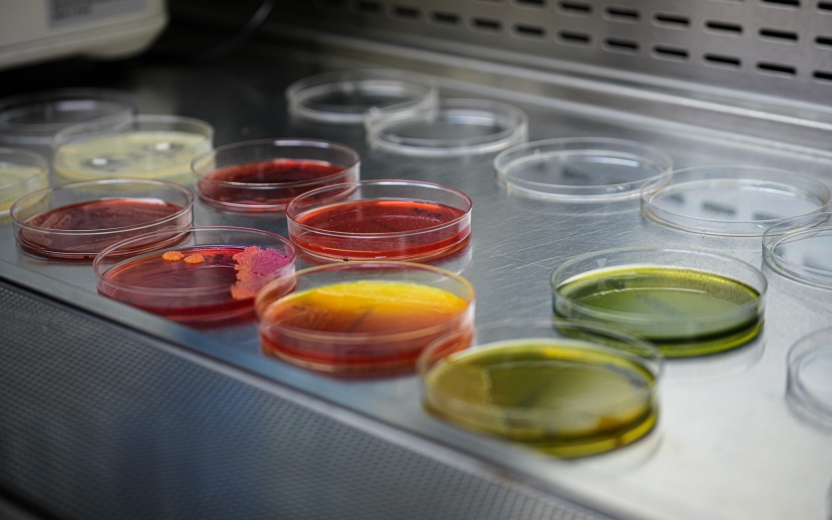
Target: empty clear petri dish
810, 376
21, 172
350, 97
147, 146
801, 249
33, 119
194, 274
567, 388
78, 220
264, 175
455, 127
361, 317
731, 200
380, 219
689, 303
581, 169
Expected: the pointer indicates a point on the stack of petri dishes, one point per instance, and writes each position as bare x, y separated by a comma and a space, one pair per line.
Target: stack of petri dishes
21, 172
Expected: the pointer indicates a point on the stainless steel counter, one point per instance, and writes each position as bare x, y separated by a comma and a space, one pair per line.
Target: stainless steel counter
727, 446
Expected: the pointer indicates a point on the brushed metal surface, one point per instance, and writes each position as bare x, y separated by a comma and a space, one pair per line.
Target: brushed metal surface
726, 445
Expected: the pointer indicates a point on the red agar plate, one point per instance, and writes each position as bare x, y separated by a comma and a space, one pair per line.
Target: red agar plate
382, 220
209, 273
78, 220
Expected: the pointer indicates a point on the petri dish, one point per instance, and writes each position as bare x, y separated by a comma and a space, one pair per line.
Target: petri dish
32, 119
361, 317
78, 220
688, 303
21, 172
202, 274
264, 175
801, 249
455, 127
146, 146
731, 200
567, 388
350, 97
809, 383
380, 219
580, 169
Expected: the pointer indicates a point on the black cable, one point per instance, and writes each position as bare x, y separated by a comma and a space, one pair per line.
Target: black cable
252, 25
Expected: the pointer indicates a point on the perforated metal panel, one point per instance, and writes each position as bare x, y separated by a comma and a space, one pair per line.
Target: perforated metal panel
99, 422
778, 47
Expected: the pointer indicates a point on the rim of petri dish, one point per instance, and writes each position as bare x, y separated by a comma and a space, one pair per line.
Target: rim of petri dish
99, 190
402, 93
683, 259
30, 119
746, 200
396, 190
519, 168
463, 127
809, 376
262, 150
174, 238
385, 344
540, 423
800, 249
24, 184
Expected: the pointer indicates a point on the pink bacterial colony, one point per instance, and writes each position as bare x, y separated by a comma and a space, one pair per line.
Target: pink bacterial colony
254, 269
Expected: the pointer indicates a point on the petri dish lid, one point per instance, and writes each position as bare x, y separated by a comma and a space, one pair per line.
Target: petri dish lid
731, 200
350, 97
32, 119
801, 249
583, 169
455, 127
810, 376
21, 172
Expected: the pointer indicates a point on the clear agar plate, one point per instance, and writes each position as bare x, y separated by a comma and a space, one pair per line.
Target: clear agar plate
455, 127
78, 220
21, 172
202, 274
810, 376
801, 249
350, 97
146, 146
380, 219
358, 318
731, 200
567, 388
33, 119
264, 175
689, 303
582, 169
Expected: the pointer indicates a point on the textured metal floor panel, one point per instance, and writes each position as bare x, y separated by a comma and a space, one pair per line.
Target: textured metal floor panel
100, 422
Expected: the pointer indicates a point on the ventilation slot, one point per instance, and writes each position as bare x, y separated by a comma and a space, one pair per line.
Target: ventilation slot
575, 8
530, 3
787, 3
574, 38
779, 35
403, 11
670, 53
444, 18
486, 24
624, 14
671, 20
776, 68
723, 61
368, 7
824, 40
529, 31
825, 6
332, 4
822, 75
618, 45
724, 27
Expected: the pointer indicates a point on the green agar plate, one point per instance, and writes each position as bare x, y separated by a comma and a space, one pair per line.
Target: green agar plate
569, 389
689, 303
